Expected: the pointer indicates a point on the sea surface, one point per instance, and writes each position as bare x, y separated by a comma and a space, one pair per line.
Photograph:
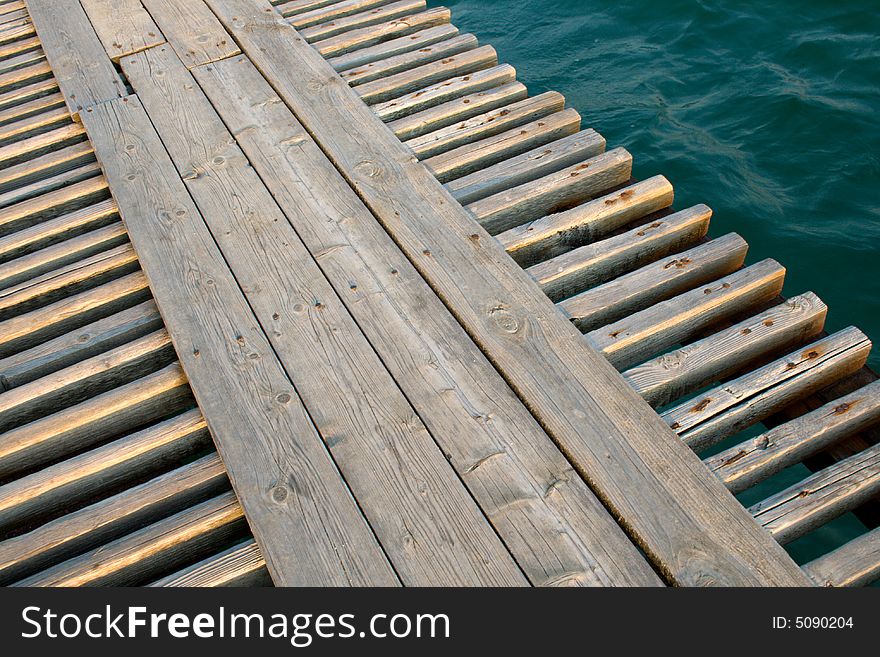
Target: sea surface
768, 112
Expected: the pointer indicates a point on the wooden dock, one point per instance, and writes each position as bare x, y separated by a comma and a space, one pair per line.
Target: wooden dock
317, 294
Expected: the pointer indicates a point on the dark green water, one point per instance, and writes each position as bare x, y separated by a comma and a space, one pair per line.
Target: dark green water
765, 111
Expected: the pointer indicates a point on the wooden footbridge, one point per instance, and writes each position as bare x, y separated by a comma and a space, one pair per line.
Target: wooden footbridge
318, 294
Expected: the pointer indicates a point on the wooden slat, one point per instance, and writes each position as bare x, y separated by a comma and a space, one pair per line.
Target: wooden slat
384, 68
299, 6
48, 206
46, 98
94, 421
750, 398
478, 151
503, 456
227, 356
191, 30
167, 544
422, 77
749, 463
591, 264
48, 165
370, 36
34, 124
18, 102
318, 15
480, 127
116, 465
363, 19
82, 69
555, 234
21, 60
694, 530
85, 379
855, 564
90, 340
27, 148
313, 335
651, 331
553, 192
52, 183
829, 493
109, 519
26, 331
459, 109
386, 49
527, 167
123, 26
441, 92
240, 565
55, 257
67, 280
17, 46
658, 281
56, 230
24, 75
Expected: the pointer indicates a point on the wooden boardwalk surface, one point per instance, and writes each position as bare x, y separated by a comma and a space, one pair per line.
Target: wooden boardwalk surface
435, 332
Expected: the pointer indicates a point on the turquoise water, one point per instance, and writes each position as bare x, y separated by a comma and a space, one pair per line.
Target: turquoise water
765, 111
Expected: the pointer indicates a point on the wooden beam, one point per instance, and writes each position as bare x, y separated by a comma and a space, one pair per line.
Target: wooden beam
694, 530
284, 477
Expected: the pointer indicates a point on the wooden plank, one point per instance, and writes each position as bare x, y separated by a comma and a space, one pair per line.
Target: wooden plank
383, 14
191, 30
459, 109
82, 69
591, 264
39, 144
60, 255
661, 280
90, 340
695, 531
855, 564
555, 234
99, 419
395, 47
240, 565
478, 151
723, 411
442, 92
529, 166
553, 192
649, 332
115, 465
29, 126
480, 127
749, 463
61, 228
118, 515
141, 556
123, 26
563, 538
26, 331
364, 37
829, 493
383, 68
339, 377
52, 183
284, 476
85, 379
317, 15
422, 77
25, 95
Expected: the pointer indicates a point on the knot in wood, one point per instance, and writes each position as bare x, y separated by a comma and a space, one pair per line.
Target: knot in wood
368, 168
504, 320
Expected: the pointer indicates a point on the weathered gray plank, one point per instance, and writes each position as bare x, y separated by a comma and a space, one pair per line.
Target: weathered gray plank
336, 373
90, 340
855, 564
283, 475
383, 14
191, 30
829, 493
527, 167
750, 398
658, 281
82, 69
109, 519
555, 234
123, 26
240, 565
396, 46
563, 538
693, 528
364, 37
673, 375
301, 17
748, 463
